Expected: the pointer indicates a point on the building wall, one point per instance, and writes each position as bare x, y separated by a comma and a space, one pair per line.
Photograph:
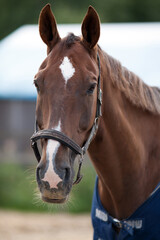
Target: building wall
16, 125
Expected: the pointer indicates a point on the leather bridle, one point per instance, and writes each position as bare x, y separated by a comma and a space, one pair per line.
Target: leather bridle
63, 139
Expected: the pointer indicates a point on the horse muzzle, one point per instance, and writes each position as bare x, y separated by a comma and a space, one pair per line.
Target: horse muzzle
54, 187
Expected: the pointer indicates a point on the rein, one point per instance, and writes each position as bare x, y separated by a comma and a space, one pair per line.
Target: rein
63, 139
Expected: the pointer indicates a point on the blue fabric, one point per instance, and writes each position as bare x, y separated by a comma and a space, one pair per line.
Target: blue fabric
143, 224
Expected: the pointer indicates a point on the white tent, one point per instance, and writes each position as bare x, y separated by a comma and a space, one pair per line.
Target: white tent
137, 46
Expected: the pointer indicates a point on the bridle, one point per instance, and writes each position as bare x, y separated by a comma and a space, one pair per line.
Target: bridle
63, 139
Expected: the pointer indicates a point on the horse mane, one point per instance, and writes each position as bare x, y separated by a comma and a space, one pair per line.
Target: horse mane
134, 89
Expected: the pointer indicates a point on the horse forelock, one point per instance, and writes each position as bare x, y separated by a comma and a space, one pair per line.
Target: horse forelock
134, 89
71, 39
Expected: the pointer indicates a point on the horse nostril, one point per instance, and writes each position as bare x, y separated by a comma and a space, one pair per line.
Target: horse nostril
67, 174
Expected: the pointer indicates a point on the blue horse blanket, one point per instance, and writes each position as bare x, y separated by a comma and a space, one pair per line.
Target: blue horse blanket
143, 224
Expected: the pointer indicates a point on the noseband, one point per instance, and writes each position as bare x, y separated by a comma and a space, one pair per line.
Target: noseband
63, 139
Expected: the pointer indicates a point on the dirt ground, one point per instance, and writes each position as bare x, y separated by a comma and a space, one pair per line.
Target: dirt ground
31, 226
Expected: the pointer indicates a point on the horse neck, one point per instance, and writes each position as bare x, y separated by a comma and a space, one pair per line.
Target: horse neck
121, 150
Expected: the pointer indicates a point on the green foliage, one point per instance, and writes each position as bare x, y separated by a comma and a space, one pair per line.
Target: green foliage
16, 12
18, 185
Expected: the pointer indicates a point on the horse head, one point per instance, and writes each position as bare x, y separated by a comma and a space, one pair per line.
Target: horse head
67, 89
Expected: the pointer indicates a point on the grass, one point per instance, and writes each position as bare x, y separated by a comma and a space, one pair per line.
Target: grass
18, 190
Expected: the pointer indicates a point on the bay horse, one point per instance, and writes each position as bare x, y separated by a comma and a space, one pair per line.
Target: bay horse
87, 100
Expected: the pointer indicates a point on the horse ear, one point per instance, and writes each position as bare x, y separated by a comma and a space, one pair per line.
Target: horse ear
48, 27
91, 28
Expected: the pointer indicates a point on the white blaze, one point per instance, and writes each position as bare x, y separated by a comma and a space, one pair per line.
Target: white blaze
52, 148
67, 69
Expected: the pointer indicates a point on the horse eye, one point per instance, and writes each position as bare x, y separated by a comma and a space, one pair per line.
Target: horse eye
91, 89
36, 85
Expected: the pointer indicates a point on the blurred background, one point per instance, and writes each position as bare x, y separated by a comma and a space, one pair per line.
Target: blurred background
16, 13
130, 32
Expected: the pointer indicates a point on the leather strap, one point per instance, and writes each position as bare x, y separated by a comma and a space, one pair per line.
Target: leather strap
91, 136
58, 136
36, 151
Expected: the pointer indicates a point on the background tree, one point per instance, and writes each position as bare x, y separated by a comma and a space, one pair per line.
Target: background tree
14, 13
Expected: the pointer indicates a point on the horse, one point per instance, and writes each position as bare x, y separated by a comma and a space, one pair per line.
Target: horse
87, 101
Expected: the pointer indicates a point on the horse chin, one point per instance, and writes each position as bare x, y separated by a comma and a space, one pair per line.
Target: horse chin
54, 200
54, 195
